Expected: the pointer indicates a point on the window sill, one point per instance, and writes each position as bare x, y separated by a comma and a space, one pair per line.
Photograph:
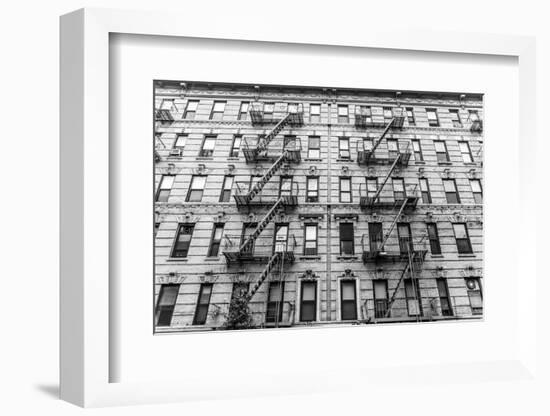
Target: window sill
212, 258
307, 159
444, 163
343, 160
309, 257
176, 259
470, 163
466, 255
347, 257
204, 158
233, 158
436, 256
419, 162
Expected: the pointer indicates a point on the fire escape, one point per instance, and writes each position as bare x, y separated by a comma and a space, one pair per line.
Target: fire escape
249, 196
403, 200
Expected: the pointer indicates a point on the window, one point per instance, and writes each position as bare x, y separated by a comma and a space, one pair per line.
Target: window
308, 302
367, 113
476, 189
388, 115
444, 300
312, 189
285, 186
243, 110
207, 148
410, 116
346, 239
405, 238
165, 187
433, 236
281, 238
412, 294
376, 237
343, 116
393, 148
451, 194
292, 108
343, 148
455, 118
157, 226
417, 149
310, 240
268, 109
367, 144
217, 110
380, 298
466, 152
314, 147
348, 300
398, 189
235, 146
183, 240
315, 113
475, 295
191, 109
425, 191
167, 104
166, 303
433, 121
345, 189
239, 290
225, 195
253, 180
248, 230
179, 143
215, 241
203, 302
463, 244
372, 187
275, 299
196, 188
441, 151
473, 116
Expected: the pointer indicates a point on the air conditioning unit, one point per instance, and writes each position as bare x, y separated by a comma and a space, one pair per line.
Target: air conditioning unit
176, 152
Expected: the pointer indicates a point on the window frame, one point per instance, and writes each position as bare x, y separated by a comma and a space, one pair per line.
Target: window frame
418, 154
400, 180
425, 193
214, 113
415, 282
441, 283
432, 122
161, 188
310, 198
215, 243
341, 150
282, 180
352, 283
478, 195
225, 194
241, 112
310, 147
200, 304
468, 152
179, 136
314, 118
190, 114
208, 152
341, 118
341, 192
352, 239
433, 238
458, 122
445, 152
410, 116
447, 194
380, 312
199, 190
309, 302
470, 249
281, 302
182, 252
314, 251
232, 152
160, 308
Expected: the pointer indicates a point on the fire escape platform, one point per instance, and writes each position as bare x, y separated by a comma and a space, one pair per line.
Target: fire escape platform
391, 256
237, 257
410, 205
368, 158
243, 201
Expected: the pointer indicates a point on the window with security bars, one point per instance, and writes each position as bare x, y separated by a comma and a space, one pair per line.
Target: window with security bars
475, 295
425, 191
235, 146
380, 298
308, 301
463, 244
314, 147
196, 188
433, 120
393, 148
444, 299
243, 110
376, 236
203, 303
183, 240
343, 114
191, 109
275, 302
441, 151
410, 116
208, 145
166, 303
346, 239
312, 189
348, 300
405, 238
466, 152
412, 295
345, 189
218, 109
398, 185
449, 186
417, 149
315, 113
475, 184
216, 240
310, 239
227, 185
455, 118
165, 186
433, 236
343, 148
372, 186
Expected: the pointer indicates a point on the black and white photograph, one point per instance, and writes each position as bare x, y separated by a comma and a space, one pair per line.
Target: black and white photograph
279, 206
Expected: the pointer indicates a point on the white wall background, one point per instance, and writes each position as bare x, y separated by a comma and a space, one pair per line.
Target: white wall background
29, 172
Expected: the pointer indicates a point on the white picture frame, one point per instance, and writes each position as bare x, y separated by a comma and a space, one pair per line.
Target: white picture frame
84, 342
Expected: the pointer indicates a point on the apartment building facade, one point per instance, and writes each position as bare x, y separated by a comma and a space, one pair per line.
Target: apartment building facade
322, 206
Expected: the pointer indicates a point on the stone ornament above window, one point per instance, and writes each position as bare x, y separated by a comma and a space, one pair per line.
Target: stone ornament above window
309, 275
187, 217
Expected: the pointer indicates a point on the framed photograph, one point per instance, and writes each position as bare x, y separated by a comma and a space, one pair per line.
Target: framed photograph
321, 212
